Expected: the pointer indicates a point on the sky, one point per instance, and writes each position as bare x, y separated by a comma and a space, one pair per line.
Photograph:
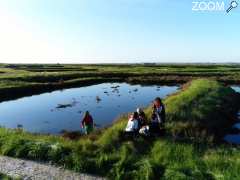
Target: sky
116, 31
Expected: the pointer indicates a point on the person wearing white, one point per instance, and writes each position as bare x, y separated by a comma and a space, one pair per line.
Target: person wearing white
144, 131
132, 125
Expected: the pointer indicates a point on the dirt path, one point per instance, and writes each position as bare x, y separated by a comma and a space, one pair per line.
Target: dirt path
29, 170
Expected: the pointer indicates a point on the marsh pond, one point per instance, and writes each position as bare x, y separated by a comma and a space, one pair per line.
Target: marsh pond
53, 112
235, 138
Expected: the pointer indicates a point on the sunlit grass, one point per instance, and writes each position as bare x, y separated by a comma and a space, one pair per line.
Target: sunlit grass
108, 153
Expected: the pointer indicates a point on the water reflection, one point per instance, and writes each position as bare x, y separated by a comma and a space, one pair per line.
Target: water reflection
235, 137
236, 88
232, 138
53, 112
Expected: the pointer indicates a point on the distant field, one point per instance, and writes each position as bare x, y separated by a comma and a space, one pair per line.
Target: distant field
27, 79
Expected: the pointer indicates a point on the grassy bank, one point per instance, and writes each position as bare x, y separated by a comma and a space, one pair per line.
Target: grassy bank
204, 110
108, 153
22, 80
6, 177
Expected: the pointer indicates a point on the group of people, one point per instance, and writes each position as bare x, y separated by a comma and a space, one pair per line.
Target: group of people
137, 122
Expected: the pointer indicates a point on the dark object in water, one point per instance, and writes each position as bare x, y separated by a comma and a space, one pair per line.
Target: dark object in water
135, 90
73, 103
98, 99
115, 91
115, 87
61, 106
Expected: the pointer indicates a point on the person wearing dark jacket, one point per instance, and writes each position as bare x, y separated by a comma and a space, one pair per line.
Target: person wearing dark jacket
158, 116
142, 119
159, 111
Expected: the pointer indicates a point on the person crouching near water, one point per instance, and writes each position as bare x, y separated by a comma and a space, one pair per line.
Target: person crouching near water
158, 117
87, 123
142, 120
132, 125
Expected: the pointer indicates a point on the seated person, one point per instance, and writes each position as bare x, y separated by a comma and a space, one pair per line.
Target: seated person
159, 110
144, 131
142, 120
155, 125
132, 125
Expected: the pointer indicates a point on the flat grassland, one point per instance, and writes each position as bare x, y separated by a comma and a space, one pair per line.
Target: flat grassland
26, 79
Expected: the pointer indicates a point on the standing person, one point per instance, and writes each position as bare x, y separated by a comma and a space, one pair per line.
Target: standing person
142, 120
87, 123
132, 125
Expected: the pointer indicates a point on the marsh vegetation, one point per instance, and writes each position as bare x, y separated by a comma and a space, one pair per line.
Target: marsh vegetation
23, 80
197, 118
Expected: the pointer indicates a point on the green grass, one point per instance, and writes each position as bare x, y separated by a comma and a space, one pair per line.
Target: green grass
205, 109
6, 177
107, 153
22, 79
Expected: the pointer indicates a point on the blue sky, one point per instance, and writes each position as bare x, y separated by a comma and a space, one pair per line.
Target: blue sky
116, 31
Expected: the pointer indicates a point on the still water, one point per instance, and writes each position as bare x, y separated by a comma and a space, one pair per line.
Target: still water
236, 88
234, 138
63, 110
